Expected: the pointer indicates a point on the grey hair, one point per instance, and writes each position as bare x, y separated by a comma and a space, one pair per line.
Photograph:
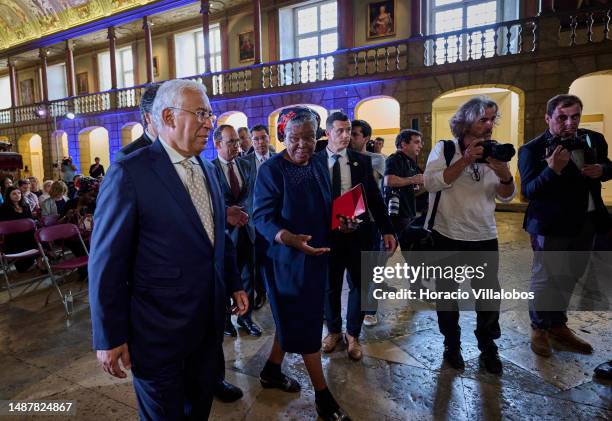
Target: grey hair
469, 113
298, 121
170, 95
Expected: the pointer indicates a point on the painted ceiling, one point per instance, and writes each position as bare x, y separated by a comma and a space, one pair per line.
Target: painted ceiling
23, 20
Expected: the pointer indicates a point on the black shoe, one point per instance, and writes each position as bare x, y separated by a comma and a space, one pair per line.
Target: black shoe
229, 329
260, 300
452, 355
227, 392
491, 361
604, 371
284, 383
250, 326
337, 415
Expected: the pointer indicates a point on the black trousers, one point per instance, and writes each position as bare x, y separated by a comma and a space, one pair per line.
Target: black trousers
487, 312
244, 257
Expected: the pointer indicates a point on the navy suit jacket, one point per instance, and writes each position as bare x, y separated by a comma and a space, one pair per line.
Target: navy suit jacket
141, 142
361, 172
229, 198
155, 280
558, 203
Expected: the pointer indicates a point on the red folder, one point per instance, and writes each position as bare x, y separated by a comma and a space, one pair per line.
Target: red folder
349, 205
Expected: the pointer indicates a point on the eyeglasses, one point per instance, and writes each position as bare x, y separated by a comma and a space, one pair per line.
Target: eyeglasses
201, 115
233, 142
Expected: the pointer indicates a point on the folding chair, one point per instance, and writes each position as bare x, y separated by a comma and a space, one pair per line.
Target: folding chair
8, 228
55, 237
47, 221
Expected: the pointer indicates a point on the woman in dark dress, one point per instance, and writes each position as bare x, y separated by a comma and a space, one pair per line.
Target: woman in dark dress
292, 211
15, 207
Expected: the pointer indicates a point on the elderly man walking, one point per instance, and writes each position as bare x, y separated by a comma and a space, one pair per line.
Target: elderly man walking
158, 273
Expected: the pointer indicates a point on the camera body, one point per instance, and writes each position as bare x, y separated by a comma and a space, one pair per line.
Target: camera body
500, 151
580, 141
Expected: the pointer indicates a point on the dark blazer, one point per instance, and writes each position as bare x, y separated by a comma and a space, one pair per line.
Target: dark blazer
250, 167
155, 280
558, 203
229, 198
361, 172
139, 143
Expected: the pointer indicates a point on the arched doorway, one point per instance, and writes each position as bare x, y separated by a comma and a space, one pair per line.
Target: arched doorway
130, 132
93, 142
511, 102
595, 91
383, 114
273, 119
236, 119
30, 148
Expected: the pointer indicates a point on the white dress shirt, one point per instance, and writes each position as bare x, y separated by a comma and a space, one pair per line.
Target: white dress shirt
176, 159
466, 210
226, 170
260, 159
345, 169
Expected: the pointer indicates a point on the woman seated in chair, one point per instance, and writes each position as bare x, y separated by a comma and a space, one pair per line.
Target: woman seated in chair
15, 207
55, 204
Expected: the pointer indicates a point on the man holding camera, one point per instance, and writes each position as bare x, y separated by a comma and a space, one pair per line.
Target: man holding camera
461, 217
561, 175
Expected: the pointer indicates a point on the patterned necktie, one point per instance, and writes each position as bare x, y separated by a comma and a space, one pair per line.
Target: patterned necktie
336, 179
233, 180
198, 190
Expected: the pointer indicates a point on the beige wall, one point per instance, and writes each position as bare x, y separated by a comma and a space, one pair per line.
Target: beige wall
236, 25
84, 63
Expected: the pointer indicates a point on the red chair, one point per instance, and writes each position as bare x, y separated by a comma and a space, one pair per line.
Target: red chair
56, 240
17, 226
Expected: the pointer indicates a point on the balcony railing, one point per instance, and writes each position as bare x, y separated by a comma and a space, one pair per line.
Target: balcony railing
469, 45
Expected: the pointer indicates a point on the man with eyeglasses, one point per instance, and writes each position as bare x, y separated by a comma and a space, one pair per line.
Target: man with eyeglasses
161, 265
262, 151
461, 217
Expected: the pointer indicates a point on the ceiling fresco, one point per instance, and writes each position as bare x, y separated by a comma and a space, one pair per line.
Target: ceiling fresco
23, 20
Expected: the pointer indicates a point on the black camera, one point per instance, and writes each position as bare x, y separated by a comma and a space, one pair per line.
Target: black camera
580, 141
500, 151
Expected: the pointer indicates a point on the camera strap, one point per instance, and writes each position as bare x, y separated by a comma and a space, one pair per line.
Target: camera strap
449, 152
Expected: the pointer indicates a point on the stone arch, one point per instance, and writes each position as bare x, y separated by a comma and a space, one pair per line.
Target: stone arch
236, 119
273, 119
93, 142
130, 132
30, 148
383, 114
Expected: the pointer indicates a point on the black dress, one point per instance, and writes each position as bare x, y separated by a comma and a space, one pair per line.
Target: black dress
17, 243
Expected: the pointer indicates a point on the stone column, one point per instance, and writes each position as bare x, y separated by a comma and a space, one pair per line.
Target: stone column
416, 18
13, 82
112, 46
257, 30
44, 89
205, 11
345, 24
547, 6
70, 76
148, 49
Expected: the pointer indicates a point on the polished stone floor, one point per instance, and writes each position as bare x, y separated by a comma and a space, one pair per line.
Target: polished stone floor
401, 377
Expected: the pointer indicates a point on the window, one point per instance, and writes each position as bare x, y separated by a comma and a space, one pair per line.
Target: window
56, 82
453, 15
189, 47
5, 86
125, 69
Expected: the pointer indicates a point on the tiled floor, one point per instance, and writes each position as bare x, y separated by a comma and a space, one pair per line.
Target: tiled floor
401, 376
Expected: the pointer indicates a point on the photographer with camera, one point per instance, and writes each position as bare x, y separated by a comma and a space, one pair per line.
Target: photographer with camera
464, 178
561, 174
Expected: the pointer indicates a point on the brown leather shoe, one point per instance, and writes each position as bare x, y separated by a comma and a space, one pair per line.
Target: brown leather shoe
354, 348
566, 336
330, 342
540, 343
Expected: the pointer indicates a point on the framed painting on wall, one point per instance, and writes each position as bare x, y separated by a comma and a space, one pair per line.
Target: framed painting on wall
381, 19
82, 83
246, 46
26, 90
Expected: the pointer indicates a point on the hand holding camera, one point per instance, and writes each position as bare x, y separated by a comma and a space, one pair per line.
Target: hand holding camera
558, 159
472, 153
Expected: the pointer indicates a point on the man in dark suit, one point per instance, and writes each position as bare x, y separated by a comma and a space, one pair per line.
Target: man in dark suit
561, 175
235, 187
347, 169
261, 153
159, 274
149, 134
246, 145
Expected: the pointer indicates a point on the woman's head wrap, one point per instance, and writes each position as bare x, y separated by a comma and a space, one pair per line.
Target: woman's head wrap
293, 113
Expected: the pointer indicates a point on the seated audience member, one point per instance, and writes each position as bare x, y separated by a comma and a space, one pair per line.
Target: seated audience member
46, 187
35, 187
5, 184
30, 198
15, 207
56, 202
79, 211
